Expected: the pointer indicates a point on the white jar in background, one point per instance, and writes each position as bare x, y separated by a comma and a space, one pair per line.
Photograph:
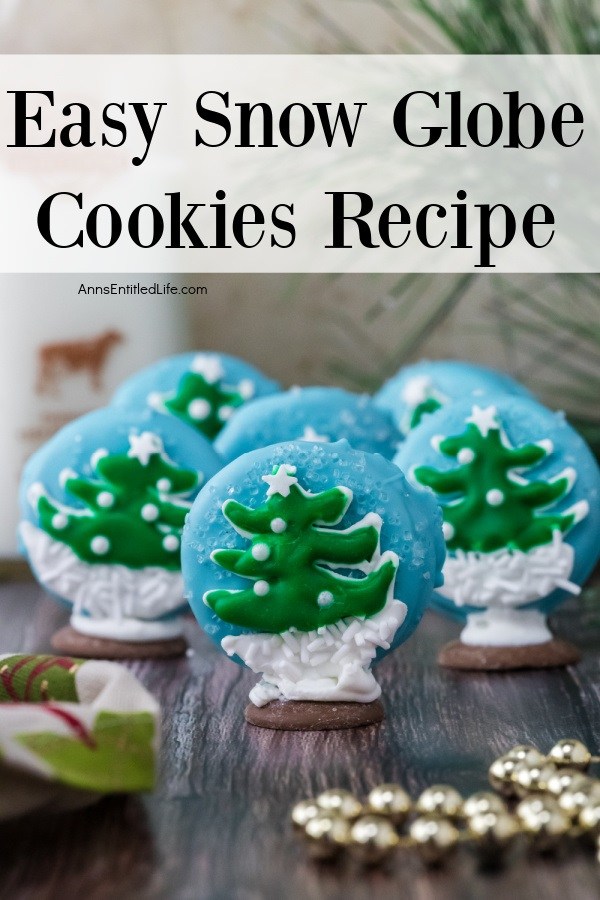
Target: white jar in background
63, 353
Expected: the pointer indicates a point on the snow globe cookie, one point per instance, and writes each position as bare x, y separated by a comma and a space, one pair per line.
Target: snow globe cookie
418, 390
102, 510
520, 496
308, 562
204, 390
318, 414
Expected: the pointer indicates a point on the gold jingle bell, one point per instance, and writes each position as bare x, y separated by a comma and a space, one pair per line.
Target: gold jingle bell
500, 775
563, 780
494, 833
303, 811
326, 835
372, 839
543, 821
440, 800
579, 794
532, 778
340, 802
525, 753
434, 838
589, 817
572, 753
481, 803
390, 800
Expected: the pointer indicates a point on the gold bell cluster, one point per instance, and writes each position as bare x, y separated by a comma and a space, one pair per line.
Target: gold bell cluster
540, 802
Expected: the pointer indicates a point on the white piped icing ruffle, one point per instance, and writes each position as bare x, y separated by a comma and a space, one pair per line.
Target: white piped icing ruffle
330, 663
509, 578
109, 599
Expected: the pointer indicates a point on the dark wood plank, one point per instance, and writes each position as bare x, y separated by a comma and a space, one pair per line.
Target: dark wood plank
217, 827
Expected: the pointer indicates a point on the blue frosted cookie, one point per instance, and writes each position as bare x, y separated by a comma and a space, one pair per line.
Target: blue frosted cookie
418, 390
519, 491
318, 414
308, 562
202, 389
102, 510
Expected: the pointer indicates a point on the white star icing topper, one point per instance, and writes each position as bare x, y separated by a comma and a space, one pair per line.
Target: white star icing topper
484, 419
310, 434
209, 366
281, 481
143, 446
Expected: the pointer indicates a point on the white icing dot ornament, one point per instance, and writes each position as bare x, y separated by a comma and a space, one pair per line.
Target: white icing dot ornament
261, 552
519, 525
103, 505
261, 588
171, 543
300, 582
100, 545
199, 409
278, 525
150, 512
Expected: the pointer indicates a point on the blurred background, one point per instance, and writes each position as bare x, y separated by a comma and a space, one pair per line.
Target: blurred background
350, 330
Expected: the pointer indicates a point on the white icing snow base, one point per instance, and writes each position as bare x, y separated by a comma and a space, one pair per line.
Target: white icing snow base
509, 577
331, 663
508, 627
109, 601
502, 581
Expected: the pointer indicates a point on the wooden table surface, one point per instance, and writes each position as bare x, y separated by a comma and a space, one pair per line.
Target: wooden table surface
217, 825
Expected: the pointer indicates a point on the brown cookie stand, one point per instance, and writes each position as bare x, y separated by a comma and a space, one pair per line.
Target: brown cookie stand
74, 643
470, 657
309, 715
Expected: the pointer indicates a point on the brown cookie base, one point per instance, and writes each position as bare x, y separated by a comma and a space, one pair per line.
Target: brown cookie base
309, 715
457, 655
73, 643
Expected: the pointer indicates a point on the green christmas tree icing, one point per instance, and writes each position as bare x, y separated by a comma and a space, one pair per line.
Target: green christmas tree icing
203, 400
486, 502
422, 399
425, 408
134, 507
291, 559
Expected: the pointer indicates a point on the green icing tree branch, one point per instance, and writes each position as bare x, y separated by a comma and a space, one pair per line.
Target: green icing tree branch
487, 504
135, 509
204, 405
290, 558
